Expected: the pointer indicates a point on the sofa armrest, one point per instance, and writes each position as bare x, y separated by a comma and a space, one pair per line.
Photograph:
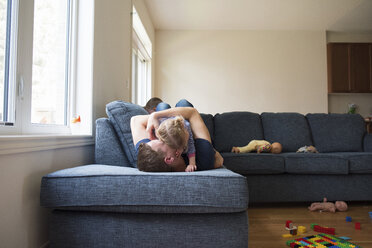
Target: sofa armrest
368, 142
108, 149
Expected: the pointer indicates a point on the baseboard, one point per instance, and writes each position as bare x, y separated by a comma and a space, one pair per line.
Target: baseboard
45, 245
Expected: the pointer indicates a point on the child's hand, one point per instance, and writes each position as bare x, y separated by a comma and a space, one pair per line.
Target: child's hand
190, 168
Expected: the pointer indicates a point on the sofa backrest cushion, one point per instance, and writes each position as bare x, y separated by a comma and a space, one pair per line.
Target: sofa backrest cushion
337, 132
119, 114
368, 142
108, 149
236, 129
208, 120
289, 129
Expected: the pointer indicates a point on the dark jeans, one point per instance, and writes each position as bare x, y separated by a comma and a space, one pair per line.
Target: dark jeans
204, 155
181, 103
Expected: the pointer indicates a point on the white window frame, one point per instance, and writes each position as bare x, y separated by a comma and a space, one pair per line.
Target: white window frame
141, 62
23, 12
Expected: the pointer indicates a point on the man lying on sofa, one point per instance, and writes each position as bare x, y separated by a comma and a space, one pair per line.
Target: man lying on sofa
156, 156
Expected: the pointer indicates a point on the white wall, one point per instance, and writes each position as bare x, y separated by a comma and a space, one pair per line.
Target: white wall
112, 53
23, 223
338, 102
256, 71
112, 50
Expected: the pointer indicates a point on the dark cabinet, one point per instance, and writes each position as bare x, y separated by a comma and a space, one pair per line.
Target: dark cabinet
349, 67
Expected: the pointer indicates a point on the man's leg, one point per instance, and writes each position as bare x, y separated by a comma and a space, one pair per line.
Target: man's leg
162, 106
184, 103
205, 154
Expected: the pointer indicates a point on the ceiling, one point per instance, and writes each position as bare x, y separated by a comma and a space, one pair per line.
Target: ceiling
330, 15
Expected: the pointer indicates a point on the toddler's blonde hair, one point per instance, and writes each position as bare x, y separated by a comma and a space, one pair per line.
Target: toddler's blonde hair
173, 133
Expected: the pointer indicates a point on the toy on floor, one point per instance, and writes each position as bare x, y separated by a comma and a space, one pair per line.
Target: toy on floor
293, 230
301, 229
290, 227
344, 238
259, 146
348, 219
328, 206
357, 226
307, 149
320, 240
328, 230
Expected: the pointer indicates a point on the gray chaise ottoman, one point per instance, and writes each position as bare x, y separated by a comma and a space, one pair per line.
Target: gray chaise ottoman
112, 206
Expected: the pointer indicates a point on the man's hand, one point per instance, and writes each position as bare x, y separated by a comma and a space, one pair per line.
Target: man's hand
191, 168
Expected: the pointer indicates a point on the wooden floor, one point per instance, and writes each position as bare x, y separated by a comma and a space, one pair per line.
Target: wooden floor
267, 223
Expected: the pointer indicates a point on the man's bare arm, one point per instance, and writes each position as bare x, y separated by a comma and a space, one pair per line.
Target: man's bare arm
138, 125
199, 130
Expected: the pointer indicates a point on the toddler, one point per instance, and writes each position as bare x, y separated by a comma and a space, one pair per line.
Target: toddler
176, 133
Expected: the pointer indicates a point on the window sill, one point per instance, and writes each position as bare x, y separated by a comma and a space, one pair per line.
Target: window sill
11, 144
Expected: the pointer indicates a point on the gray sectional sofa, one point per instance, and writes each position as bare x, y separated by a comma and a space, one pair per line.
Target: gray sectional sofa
113, 204
342, 170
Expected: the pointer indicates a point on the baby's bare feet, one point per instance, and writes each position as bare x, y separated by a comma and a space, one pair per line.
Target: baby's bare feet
235, 150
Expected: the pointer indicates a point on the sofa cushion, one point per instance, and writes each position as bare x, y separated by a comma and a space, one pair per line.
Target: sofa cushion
108, 149
236, 129
208, 120
337, 132
359, 162
253, 163
124, 189
119, 114
289, 129
367, 142
315, 163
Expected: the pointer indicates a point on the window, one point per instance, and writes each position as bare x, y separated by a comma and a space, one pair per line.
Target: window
8, 27
37, 92
50, 64
141, 62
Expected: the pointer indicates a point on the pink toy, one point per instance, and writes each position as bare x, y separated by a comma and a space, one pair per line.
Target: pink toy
328, 206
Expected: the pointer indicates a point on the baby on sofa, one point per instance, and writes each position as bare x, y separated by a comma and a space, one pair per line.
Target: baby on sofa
259, 146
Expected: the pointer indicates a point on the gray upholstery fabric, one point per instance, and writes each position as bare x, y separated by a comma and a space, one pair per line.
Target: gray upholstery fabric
315, 163
367, 142
309, 188
289, 129
102, 230
208, 120
130, 190
108, 149
359, 162
236, 129
337, 132
253, 163
119, 114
